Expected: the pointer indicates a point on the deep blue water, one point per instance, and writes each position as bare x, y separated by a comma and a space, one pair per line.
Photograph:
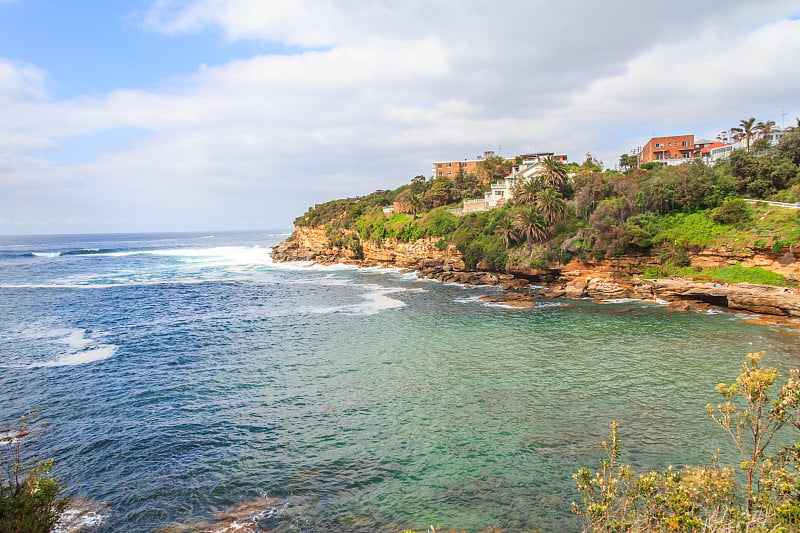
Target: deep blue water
182, 375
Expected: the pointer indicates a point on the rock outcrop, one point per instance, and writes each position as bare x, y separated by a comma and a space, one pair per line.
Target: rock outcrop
602, 280
313, 244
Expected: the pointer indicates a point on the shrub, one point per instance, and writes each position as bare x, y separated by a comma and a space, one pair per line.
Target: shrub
735, 212
651, 165
760, 494
30, 499
439, 222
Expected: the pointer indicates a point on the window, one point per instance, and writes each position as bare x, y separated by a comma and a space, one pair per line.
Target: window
448, 165
441, 173
659, 145
659, 156
686, 143
439, 165
448, 172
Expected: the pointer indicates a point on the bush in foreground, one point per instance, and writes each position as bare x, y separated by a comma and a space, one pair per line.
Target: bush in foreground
760, 494
30, 499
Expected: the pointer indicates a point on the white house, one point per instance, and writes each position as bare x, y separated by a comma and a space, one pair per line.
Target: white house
503, 189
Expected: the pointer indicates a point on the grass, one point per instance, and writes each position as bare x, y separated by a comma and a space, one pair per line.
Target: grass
729, 274
771, 228
698, 229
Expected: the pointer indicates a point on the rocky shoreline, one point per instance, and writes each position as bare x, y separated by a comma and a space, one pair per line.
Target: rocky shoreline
600, 281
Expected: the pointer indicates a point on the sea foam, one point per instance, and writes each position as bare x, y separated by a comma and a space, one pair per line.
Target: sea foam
80, 358
58, 346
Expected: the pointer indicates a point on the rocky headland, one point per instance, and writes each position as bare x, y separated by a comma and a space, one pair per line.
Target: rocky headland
605, 280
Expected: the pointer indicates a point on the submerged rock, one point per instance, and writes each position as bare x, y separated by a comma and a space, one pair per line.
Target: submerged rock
82, 516
242, 517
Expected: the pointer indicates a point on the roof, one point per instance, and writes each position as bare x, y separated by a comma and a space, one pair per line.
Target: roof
708, 148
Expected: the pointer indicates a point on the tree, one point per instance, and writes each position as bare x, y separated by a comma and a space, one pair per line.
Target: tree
525, 192
508, 231
439, 193
554, 172
531, 224
415, 205
590, 163
789, 145
492, 168
764, 128
551, 204
419, 184
30, 499
628, 161
745, 130
465, 185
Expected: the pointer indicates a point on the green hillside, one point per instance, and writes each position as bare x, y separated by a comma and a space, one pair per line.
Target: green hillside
581, 212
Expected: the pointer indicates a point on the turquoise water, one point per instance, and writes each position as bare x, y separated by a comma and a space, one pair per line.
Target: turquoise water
180, 375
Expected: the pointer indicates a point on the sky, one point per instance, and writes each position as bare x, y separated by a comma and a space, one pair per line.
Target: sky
195, 115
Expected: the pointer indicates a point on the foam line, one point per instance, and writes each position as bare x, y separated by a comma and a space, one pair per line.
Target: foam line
80, 358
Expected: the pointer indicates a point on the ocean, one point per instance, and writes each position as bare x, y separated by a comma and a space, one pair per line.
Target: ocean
186, 381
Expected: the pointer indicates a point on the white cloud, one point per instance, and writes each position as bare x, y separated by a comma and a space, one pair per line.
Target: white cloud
396, 85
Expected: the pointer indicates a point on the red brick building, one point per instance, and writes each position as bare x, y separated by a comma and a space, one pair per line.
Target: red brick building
669, 150
451, 168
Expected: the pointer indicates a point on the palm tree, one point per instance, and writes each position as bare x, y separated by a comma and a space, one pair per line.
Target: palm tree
551, 204
525, 192
765, 127
508, 230
415, 204
554, 172
745, 130
531, 224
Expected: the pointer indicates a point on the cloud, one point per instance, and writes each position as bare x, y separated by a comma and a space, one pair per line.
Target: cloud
374, 93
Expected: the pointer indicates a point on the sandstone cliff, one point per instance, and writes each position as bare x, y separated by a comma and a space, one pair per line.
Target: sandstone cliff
312, 244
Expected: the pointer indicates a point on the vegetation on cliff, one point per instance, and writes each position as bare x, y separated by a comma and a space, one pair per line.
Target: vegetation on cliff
581, 212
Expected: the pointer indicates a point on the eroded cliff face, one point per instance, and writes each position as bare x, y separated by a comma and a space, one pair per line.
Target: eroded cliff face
785, 262
312, 244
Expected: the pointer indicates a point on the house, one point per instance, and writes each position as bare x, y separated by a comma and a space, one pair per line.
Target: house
451, 168
705, 151
502, 190
672, 150
699, 144
723, 152
468, 166
540, 156
773, 136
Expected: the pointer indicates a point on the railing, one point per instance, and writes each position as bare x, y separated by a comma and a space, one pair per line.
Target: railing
475, 201
775, 204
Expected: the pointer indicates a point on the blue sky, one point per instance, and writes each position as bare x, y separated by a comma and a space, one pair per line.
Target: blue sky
167, 115
91, 47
